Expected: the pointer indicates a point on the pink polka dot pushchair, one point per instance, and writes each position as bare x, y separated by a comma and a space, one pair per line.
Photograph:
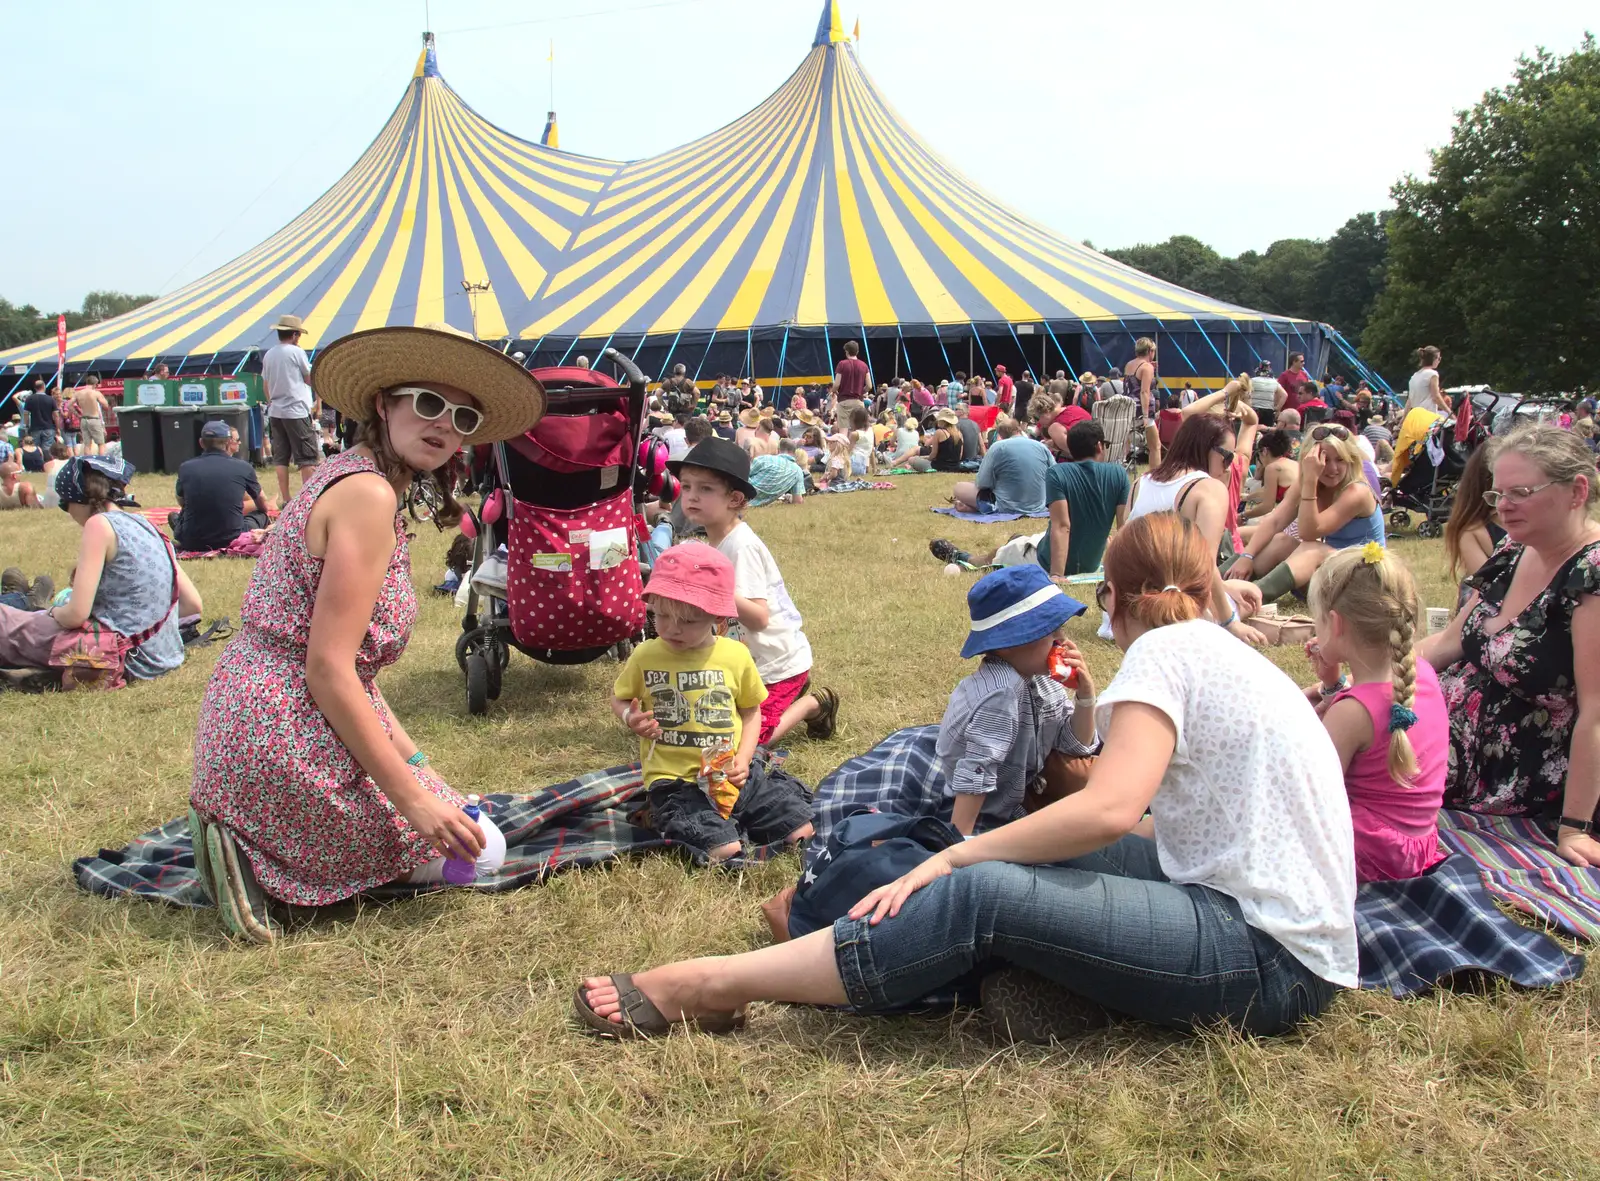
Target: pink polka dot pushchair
555, 568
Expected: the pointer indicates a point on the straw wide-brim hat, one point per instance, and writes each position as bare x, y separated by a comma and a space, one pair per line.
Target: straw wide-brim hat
350, 373
946, 418
750, 416
806, 417
724, 417
289, 324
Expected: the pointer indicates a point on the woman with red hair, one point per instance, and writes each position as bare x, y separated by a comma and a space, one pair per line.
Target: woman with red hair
1234, 901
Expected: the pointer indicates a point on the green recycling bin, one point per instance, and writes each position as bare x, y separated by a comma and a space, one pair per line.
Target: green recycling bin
240, 389
149, 392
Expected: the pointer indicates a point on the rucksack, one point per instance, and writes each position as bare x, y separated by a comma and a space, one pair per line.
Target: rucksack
863, 851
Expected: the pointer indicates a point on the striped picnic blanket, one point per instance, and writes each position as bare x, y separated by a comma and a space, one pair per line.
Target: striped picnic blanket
1521, 867
584, 821
1413, 934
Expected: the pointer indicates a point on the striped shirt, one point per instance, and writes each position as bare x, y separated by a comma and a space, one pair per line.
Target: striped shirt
997, 732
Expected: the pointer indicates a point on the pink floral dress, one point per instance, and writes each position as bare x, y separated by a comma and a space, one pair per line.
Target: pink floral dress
266, 761
1512, 698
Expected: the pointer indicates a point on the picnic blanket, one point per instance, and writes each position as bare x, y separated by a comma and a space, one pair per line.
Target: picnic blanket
584, 821
243, 546
1520, 866
984, 518
1413, 934
839, 486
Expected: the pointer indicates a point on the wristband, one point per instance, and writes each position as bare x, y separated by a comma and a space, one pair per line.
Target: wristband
417, 760
1578, 825
1328, 691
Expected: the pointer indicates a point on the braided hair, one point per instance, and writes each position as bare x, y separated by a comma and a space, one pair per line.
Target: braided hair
1373, 591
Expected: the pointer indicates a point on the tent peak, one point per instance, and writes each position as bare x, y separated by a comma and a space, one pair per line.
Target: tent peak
830, 29
428, 60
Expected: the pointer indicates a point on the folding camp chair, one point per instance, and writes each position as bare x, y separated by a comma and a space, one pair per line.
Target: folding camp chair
1115, 416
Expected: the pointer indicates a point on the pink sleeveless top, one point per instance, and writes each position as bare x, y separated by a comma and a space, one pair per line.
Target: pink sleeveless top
1397, 827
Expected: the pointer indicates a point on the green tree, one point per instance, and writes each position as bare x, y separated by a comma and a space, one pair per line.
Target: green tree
1352, 272
28, 325
1495, 255
102, 305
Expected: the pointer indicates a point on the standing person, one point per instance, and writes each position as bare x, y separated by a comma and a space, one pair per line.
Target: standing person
291, 405
1005, 388
1024, 391
44, 415
211, 491
1234, 902
1060, 388
306, 787
1292, 378
93, 410
1139, 383
852, 379
1267, 395
716, 488
1423, 390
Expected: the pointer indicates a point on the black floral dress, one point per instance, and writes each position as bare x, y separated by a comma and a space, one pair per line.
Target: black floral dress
1512, 697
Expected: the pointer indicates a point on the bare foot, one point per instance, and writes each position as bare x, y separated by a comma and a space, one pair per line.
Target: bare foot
776, 911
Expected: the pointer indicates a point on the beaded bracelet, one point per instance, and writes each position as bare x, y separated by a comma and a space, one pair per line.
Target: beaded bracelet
417, 760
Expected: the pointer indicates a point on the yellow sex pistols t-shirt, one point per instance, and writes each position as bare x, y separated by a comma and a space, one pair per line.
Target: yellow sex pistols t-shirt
696, 697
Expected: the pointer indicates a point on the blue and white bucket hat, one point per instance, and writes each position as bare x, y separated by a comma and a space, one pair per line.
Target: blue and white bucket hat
1017, 605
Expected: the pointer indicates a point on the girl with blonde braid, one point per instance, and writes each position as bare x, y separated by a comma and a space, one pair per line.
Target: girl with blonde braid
1387, 718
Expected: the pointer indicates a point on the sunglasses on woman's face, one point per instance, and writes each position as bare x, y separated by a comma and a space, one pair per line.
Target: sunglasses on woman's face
1322, 432
431, 405
1227, 456
1101, 593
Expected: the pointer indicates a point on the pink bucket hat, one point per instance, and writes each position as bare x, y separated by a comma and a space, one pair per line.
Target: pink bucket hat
696, 574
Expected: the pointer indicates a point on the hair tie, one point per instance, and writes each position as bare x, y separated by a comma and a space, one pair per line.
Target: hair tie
1401, 718
1372, 553
1169, 586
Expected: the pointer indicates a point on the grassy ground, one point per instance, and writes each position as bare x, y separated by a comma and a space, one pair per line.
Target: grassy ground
431, 1040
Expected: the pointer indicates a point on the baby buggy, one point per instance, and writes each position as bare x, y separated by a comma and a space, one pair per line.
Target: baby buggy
1430, 471
555, 568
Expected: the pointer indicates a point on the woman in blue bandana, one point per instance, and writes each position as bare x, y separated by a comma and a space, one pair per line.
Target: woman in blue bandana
126, 578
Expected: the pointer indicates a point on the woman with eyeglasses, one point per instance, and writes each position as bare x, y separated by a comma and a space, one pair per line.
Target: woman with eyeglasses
1520, 663
1334, 508
307, 790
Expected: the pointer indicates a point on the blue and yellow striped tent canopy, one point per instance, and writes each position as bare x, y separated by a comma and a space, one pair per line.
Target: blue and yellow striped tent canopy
817, 215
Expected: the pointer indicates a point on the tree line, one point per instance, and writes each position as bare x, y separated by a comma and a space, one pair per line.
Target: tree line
1494, 256
27, 324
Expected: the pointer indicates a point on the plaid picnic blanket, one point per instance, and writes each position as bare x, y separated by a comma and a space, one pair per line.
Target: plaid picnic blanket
1413, 934
1520, 866
842, 486
584, 821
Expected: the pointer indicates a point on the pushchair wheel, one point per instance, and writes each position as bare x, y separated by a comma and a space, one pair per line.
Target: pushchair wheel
499, 657
477, 685
1399, 519
1429, 529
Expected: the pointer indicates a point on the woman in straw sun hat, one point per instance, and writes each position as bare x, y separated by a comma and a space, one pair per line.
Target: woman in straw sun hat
307, 790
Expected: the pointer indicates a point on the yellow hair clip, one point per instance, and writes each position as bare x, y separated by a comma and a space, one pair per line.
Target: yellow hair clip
1372, 553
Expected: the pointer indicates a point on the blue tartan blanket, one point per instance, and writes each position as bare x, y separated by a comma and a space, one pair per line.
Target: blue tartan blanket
584, 821
1414, 934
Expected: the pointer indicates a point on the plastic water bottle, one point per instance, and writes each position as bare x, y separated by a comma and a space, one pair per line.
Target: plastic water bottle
463, 873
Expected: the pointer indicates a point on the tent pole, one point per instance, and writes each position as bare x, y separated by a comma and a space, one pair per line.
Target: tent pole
704, 355
783, 355
970, 339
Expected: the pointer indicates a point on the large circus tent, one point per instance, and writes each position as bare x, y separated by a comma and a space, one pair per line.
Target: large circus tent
817, 217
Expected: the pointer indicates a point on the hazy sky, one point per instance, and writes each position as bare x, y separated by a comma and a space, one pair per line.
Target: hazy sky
150, 141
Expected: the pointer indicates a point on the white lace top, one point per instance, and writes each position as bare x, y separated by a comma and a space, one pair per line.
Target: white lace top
1253, 802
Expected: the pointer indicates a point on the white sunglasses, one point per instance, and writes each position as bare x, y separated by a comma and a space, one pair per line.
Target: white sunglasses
432, 405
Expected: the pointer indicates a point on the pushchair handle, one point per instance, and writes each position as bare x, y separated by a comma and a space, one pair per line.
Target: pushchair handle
635, 375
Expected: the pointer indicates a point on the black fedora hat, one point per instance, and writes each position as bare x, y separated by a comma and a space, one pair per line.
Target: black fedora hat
720, 456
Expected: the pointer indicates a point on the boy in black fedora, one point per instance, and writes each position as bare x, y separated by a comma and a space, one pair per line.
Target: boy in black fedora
716, 487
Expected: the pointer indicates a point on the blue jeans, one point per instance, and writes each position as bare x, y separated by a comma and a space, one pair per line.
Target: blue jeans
44, 438
1109, 926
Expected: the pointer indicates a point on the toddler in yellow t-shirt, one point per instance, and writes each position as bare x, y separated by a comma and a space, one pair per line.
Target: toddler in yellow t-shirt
691, 695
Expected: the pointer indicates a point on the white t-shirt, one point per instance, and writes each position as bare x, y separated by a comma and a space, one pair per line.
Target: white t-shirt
1253, 802
285, 368
1420, 390
781, 649
673, 437
861, 444
1263, 393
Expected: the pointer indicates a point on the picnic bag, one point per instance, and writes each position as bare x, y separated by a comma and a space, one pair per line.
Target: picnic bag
865, 850
572, 577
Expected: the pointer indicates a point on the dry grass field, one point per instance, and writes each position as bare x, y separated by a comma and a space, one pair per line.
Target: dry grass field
431, 1039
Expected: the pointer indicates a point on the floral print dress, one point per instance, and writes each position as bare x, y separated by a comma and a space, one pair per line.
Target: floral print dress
268, 764
1512, 698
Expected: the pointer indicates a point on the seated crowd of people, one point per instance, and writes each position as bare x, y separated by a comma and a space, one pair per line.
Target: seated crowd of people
1181, 846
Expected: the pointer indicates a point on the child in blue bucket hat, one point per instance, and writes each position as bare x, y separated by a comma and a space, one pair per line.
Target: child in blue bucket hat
1008, 717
